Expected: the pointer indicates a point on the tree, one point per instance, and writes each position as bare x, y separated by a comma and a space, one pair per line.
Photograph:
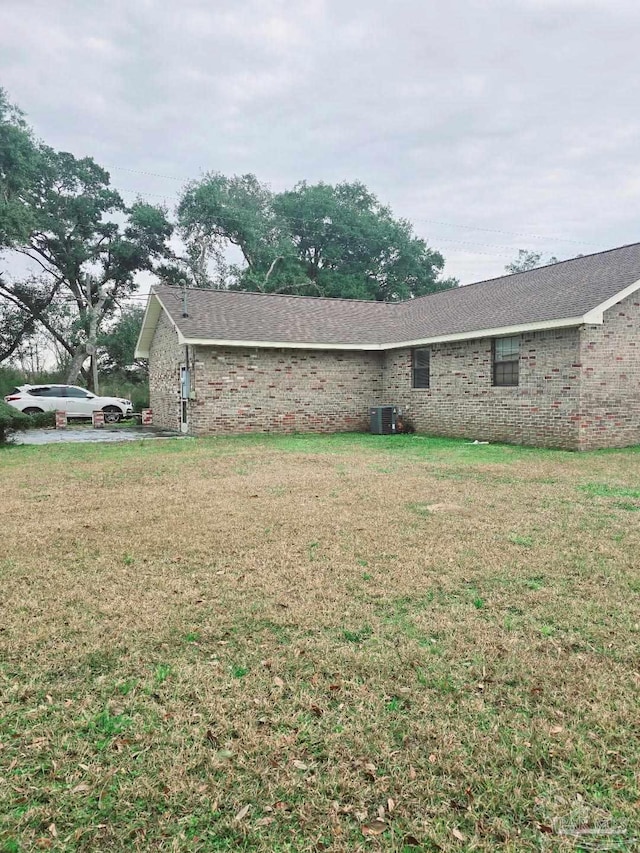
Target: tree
19, 171
528, 260
88, 246
318, 240
117, 344
19, 164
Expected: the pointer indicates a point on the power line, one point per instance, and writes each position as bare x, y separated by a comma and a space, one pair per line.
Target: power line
150, 174
513, 233
414, 219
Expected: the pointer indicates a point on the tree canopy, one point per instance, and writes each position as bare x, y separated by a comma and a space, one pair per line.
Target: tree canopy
83, 243
315, 239
529, 260
85, 248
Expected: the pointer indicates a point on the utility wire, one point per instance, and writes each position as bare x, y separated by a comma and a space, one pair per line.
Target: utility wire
414, 219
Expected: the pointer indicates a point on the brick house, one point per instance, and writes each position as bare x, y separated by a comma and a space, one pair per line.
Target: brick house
549, 357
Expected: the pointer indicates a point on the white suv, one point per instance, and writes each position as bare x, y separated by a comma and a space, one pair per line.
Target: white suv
76, 402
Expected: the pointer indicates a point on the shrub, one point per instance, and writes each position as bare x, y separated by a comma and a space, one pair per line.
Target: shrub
11, 420
41, 419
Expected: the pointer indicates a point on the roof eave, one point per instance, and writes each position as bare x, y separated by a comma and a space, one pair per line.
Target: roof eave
154, 309
596, 315
498, 331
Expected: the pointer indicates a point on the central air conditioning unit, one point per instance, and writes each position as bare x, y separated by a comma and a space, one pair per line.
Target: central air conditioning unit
383, 419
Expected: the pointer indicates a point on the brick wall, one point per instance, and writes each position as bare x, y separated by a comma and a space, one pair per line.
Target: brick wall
267, 390
165, 357
610, 389
578, 389
542, 410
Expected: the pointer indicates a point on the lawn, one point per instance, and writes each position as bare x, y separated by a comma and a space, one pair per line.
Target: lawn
319, 644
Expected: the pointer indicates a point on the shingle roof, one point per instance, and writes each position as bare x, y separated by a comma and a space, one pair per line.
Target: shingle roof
238, 315
567, 290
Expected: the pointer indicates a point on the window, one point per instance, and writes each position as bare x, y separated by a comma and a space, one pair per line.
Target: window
79, 393
506, 358
44, 392
420, 368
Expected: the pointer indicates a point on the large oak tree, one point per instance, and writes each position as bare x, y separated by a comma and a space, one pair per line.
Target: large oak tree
318, 240
85, 246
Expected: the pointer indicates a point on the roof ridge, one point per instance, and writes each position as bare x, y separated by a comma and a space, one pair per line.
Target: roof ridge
410, 300
178, 289
512, 275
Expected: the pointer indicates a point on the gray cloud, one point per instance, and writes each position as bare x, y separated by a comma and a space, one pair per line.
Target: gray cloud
518, 117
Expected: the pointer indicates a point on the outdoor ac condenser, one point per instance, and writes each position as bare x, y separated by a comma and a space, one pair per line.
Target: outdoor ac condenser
383, 419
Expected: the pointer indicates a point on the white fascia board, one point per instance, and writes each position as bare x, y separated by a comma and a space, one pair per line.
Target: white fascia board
498, 332
142, 346
596, 315
149, 323
214, 342
501, 331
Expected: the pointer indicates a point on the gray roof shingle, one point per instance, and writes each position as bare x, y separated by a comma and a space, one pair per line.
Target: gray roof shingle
565, 290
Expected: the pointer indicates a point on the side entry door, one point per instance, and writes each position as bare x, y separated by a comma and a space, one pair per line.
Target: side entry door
185, 389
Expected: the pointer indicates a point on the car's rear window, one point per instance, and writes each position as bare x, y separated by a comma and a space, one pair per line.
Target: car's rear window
46, 391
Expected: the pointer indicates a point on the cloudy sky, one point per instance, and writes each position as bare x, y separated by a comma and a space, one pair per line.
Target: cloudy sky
492, 125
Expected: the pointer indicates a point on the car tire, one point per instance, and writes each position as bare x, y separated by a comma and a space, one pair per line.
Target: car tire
112, 414
32, 410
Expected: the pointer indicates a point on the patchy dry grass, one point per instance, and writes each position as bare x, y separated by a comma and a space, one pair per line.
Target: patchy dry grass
307, 644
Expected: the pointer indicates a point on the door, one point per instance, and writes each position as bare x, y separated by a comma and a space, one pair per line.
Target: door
50, 398
185, 388
78, 402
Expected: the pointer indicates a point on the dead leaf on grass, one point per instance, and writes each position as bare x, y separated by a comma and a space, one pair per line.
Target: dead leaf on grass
410, 841
79, 789
299, 765
556, 730
244, 811
265, 821
53, 830
278, 681
374, 827
457, 834
224, 754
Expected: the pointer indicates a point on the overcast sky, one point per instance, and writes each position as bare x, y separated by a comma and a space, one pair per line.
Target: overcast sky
491, 125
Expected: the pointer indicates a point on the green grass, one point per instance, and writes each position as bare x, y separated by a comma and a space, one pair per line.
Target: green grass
257, 644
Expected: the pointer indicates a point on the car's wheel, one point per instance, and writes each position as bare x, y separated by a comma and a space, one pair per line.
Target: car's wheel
112, 414
32, 410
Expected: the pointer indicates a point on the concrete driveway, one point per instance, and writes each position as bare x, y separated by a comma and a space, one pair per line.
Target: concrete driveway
89, 434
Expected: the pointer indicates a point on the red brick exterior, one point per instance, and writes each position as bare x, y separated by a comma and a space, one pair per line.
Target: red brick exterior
268, 390
610, 384
165, 357
461, 400
578, 388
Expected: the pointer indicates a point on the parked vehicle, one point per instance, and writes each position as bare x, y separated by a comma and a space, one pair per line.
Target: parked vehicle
76, 402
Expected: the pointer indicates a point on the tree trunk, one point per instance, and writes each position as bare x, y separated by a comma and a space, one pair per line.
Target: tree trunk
76, 364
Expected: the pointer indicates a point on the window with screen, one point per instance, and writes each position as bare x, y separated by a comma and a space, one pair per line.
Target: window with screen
420, 368
506, 359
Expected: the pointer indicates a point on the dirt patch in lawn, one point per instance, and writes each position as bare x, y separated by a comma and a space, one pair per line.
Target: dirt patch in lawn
284, 645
